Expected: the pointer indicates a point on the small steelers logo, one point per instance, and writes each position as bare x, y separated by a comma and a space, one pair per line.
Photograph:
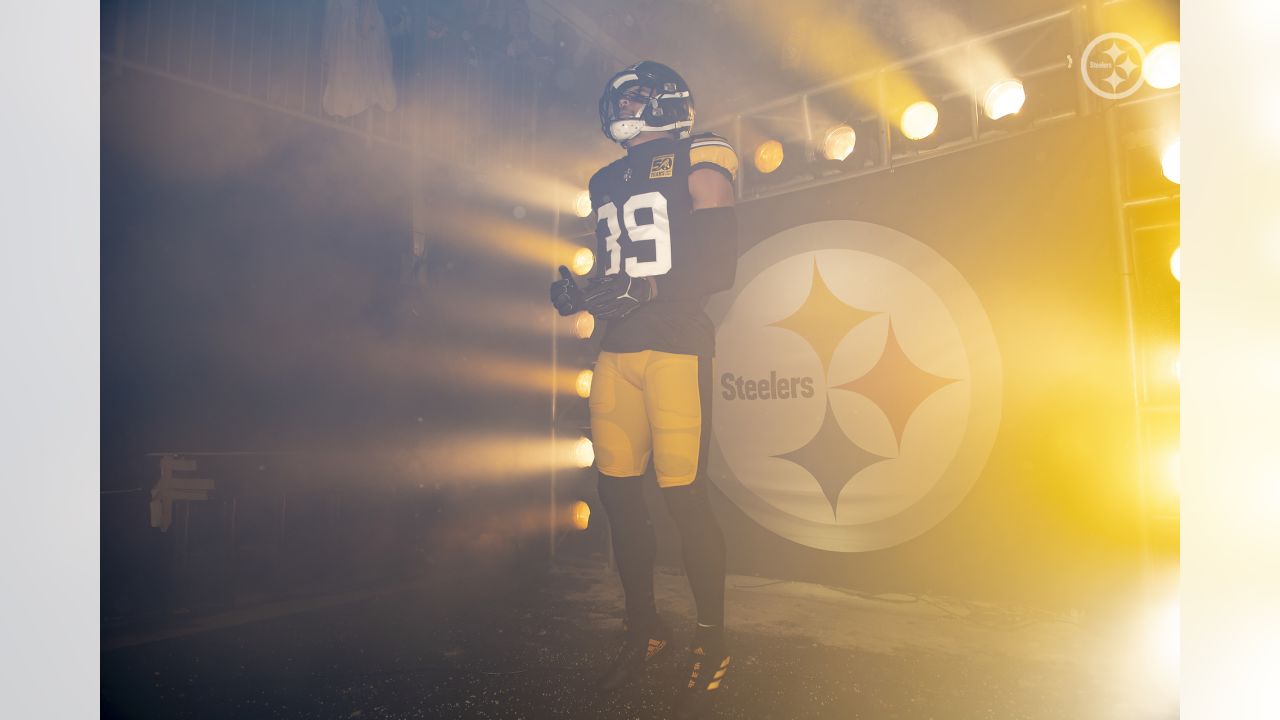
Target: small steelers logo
1111, 66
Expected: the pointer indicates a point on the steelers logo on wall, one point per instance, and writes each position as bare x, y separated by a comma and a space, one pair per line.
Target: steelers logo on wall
857, 386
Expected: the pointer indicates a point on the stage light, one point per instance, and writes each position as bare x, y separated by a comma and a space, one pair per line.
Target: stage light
583, 384
1174, 471
584, 324
1177, 369
581, 515
1144, 640
582, 204
768, 156
1171, 162
1004, 98
584, 453
839, 142
1162, 66
1175, 263
919, 120
476, 457
583, 260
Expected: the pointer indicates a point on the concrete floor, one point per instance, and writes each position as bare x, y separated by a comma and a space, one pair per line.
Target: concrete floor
529, 650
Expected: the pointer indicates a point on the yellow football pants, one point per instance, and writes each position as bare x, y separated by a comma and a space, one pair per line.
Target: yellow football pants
651, 403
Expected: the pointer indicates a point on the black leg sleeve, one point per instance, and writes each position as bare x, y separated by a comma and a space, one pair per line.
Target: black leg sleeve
634, 544
703, 546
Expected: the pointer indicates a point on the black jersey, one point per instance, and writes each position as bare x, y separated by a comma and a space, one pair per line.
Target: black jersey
643, 210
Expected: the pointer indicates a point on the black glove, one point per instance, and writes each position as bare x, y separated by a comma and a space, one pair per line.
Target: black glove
614, 297
565, 293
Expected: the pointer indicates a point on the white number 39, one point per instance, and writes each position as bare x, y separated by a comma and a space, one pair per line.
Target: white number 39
658, 232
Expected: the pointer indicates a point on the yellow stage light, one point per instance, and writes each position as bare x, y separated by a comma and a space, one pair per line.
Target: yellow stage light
581, 515
583, 260
582, 204
1175, 264
584, 324
584, 383
839, 143
584, 453
919, 120
1162, 66
768, 156
1004, 98
1177, 369
1171, 161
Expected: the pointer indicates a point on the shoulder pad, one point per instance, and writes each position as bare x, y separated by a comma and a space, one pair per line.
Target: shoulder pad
711, 149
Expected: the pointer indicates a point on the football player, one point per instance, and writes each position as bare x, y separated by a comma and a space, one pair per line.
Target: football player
666, 239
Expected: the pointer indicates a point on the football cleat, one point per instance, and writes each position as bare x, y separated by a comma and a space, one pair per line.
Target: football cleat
706, 673
639, 648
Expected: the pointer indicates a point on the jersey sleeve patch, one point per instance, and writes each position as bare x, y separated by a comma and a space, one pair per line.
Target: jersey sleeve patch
716, 152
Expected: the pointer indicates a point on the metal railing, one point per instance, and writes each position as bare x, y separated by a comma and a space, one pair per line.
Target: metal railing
1065, 28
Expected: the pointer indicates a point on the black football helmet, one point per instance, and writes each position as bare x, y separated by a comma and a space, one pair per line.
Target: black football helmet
669, 108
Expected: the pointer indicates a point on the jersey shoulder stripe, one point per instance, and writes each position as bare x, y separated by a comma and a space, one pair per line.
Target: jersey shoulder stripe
711, 149
708, 138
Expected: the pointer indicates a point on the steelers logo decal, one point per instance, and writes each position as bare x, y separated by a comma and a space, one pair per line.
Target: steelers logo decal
857, 386
1111, 66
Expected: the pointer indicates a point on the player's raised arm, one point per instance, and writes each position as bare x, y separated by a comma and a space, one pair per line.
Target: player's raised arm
709, 256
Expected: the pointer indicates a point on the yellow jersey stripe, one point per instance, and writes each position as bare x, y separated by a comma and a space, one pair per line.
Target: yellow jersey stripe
717, 153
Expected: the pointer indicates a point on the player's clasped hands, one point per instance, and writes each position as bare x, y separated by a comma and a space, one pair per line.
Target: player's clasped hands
611, 297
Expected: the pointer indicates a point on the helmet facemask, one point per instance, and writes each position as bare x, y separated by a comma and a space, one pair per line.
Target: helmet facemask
622, 128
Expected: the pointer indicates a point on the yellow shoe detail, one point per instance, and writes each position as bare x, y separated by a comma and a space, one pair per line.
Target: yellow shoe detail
693, 678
